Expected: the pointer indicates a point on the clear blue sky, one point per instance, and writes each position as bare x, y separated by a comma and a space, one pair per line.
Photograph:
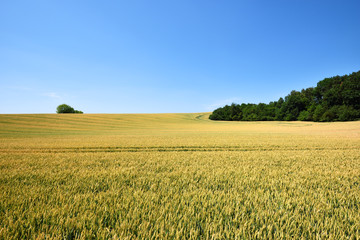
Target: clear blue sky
169, 56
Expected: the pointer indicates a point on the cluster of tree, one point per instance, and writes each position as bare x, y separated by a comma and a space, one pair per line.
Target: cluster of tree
64, 108
333, 99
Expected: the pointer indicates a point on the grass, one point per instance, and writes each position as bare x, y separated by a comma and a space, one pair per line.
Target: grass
177, 176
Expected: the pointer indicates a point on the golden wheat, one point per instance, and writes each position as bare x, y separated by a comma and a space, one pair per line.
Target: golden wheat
177, 176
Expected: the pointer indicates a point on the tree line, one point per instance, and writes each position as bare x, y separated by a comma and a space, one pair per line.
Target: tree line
333, 99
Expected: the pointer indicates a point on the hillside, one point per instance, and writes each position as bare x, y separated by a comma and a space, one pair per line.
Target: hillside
42, 125
176, 176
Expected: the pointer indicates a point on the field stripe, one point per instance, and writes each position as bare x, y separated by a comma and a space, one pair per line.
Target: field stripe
167, 149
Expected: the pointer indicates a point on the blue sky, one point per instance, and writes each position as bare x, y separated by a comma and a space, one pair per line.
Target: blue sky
169, 56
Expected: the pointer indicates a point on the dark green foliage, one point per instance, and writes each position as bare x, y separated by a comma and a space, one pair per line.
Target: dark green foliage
333, 99
305, 116
64, 108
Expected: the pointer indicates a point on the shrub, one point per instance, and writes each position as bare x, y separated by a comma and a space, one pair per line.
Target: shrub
305, 116
347, 113
64, 108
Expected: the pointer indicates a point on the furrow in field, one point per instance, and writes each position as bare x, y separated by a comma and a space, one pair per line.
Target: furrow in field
169, 149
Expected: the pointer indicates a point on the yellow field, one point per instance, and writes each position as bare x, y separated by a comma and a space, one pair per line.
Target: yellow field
177, 176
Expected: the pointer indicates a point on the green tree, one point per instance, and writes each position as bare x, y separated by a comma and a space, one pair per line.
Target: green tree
318, 112
64, 108
333, 99
304, 116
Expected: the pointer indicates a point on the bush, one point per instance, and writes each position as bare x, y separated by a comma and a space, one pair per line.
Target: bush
319, 111
290, 117
64, 108
347, 113
328, 116
305, 116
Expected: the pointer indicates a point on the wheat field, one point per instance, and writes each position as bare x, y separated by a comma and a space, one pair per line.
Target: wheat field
177, 176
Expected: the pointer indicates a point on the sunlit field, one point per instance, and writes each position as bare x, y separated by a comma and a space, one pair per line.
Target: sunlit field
177, 176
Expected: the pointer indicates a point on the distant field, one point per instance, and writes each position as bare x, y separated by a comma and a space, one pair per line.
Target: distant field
177, 176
